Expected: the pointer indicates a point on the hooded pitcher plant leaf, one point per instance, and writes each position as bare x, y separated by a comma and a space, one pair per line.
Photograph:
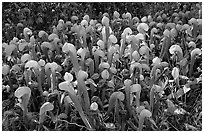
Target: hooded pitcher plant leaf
32, 64
5, 69
194, 53
113, 99
47, 106
105, 74
90, 63
136, 88
111, 51
175, 73
143, 114
127, 84
82, 75
25, 58
23, 93
70, 48
68, 77
26, 33
10, 49
72, 94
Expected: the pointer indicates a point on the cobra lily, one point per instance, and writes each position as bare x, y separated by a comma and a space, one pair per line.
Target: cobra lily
176, 51
194, 53
82, 32
5, 72
164, 55
116, 15
135, 88
43, 35
25, 58
41, 62
27, 32
127, 84
23, 95
144, 51
106, 30
113, 101
47, 106
46, 46
90, 63
193, 22
143, 114
82, 52
111, 51
127, 31
134, 41
33, 65
70, 48
10, 49
72, 94
97, 54
82, 75
53, 68
142, 28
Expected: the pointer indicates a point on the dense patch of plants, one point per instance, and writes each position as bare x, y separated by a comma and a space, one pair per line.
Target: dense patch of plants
118, 72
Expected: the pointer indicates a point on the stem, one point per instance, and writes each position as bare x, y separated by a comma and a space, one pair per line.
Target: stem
152, 99
107, 36
34, 52
122, 45
127, 92
191, 65
96, 59
83, 91
141, 122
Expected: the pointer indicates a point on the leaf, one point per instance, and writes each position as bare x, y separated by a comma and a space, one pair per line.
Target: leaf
175, 73
68, 77
24, 93
94, 106
105, 74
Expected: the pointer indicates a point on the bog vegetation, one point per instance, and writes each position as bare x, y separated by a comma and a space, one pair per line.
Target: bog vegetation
102, 66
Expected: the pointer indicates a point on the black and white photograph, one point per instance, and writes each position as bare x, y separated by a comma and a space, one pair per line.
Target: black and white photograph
101, 66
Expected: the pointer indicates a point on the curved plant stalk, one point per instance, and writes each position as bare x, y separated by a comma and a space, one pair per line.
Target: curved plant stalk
165, 47
105, 22
194, 52
113, 99
111, 51
5, 72
98, 101
82, 53
46, 46
136, 88
143, 114
152, 98
82, 75
90, 64
47, 106
32, 64
26, 33
65, 86
127, 84
32, 42
41, 62
48, 72
97, 55
57, 48
134, 45
122, 48
53, 67
144, 50
23, 93
68, 47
